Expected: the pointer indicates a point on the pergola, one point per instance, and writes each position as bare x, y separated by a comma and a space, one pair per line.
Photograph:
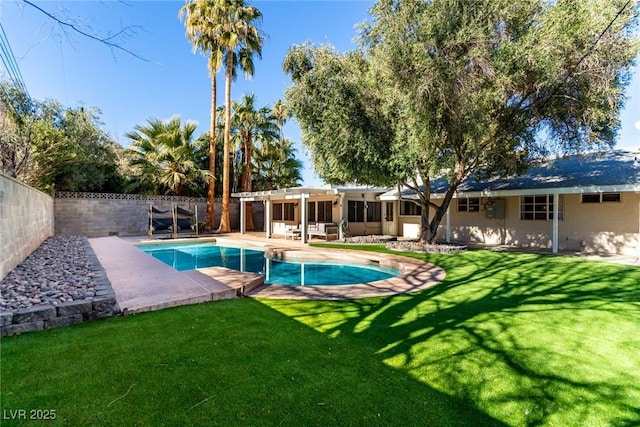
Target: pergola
297, 193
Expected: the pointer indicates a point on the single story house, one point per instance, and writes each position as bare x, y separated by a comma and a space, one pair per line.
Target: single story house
357, 208
588, 202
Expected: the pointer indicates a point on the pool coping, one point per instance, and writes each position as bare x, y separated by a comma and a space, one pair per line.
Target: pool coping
415, 274
143, 283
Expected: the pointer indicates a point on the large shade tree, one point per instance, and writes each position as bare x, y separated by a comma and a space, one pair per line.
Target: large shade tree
201, 19
19, 115
454, 89
51, 147
240, 40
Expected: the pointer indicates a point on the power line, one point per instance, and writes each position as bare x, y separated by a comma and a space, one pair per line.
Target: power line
9, 62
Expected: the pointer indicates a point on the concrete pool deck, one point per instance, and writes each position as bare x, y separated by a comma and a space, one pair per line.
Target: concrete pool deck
143, 283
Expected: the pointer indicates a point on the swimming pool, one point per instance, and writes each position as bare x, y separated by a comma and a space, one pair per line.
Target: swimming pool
281, 272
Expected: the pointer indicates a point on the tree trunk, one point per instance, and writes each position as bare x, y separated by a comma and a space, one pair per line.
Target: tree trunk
425, 230
432, 227
245, 181
225, 224
425, 235
211, 194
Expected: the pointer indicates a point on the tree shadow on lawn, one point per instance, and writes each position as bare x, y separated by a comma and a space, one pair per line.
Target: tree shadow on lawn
228, 363
530, 339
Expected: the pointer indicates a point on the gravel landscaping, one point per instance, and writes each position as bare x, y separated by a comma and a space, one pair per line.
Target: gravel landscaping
59, 271
370, 239
413, 246
60, 283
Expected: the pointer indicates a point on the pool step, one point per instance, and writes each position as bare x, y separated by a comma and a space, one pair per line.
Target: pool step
241, 282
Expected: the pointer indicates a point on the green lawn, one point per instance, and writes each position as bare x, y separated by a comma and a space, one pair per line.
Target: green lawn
507, 339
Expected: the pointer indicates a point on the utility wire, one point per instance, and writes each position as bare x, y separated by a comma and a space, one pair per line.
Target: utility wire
9, 62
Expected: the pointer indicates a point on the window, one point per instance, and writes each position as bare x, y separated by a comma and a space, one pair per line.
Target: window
284, 211
289, 212
610, 197
325, 211
539, 208
277, 211
374, 211
469, 204
591, 198
311, 211
358, 208
410, 208
356, 211
389, 212
600, 197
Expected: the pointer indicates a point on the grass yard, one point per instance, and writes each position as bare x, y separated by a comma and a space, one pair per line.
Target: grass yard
507, 339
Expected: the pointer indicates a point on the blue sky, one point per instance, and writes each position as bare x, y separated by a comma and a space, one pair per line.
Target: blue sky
75, 70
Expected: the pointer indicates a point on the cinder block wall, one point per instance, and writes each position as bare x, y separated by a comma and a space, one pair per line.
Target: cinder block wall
26, 220
101, 214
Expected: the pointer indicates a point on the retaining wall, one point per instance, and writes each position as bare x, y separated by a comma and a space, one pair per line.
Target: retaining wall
26, 220
106, 214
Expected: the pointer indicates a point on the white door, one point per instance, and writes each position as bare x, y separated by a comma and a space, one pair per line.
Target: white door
389, 219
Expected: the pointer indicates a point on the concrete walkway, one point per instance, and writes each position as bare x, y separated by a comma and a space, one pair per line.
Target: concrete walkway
143, 283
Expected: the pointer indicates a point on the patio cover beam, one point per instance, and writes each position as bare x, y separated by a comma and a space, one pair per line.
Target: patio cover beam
303, 218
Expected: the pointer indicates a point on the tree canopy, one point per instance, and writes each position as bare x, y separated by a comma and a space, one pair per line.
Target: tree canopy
51, 147
454, 88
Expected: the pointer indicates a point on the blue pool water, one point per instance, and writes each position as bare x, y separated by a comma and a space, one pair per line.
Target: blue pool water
190, 256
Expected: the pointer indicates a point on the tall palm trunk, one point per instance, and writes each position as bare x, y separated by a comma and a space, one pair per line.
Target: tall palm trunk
245, 181
211, 194
225, 225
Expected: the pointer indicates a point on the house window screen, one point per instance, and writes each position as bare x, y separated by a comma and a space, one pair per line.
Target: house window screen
539, 208
284, 212
410, 209
610, 197
289, 213
325, 211
374, 211
277, 211
356, 211
311, 211
600, 197
469, 204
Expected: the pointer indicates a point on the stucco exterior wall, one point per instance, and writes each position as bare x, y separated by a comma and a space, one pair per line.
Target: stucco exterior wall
26, 220
612, 227
602, 227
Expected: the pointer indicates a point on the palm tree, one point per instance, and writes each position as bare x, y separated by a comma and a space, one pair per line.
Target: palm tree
200, 19
282, 113
239, 39
166, 157
275, 165
251, 125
